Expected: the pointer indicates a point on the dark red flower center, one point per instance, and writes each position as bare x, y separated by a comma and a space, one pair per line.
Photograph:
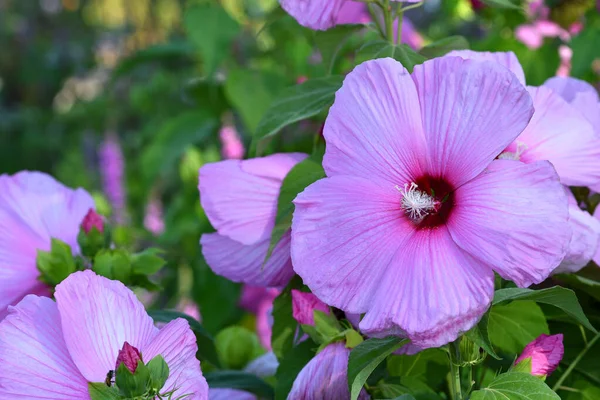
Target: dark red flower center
428, 201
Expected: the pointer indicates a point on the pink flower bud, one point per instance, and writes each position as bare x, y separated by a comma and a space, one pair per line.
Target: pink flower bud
129, 356
92, 220
301, 79
303, 306
545, 352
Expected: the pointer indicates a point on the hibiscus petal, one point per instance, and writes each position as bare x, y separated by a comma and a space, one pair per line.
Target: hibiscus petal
471, 111
241, 263
499, 218
433, 291
373, 129
98, 316
229, 394
240, 197
34, 360
581, 95
562, 135
346, 233
176, 343
505, 58
584, 241
315, 14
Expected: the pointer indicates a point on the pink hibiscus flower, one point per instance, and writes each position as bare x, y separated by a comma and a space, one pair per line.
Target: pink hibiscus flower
561, 134
259, 301
34, 208
51, 350
232, 146
240, 200
545, 353
415, 215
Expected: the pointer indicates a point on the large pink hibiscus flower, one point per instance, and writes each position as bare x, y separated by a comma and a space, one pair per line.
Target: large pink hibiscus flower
34, 208
415, 214
51, 350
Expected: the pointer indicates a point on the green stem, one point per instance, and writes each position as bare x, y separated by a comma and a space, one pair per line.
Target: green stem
374, 18
455, 384
389, 21
565, 375
400, 17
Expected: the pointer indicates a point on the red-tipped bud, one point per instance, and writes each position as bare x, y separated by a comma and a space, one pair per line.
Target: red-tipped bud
304, 305
129, 356
92, 220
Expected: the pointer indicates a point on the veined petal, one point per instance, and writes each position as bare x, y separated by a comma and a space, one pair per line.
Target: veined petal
505, 58
373, 129
98, 316
244, 263
346, 233
471, 111
498, 218
315, 14
240, 196
176, 343
562, 135
34, 360
584, 241
433, 291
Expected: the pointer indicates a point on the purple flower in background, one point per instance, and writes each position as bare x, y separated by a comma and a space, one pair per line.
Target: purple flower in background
61, 346
153, 219
240, 200
325, 376
304, 306
259, 301
232, 146
112, 170
34, 208
545, 353
415, 215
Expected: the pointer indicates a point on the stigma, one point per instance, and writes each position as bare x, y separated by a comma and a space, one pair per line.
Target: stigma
416, 203
516, 155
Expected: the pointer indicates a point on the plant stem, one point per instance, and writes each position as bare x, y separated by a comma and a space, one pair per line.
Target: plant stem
400, 16
389, 21
455, 383
565, 375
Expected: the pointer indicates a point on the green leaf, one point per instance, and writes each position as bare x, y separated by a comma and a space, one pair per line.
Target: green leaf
57, 264
480, 336
331, 41
239, 380
380, 49
583, 283
557, 296
147, 262
513, 326
299, 177
515, 386
430, 366
405, 397
290, 366
251, 92
132, 384
113, 264
585, 48
159, 373
585, 391
284, 324
212, 30
444, 46
99, 391
502, 4
365, 357
206, 344
164, 52
295, 104
353, 339
393, 387
539, 64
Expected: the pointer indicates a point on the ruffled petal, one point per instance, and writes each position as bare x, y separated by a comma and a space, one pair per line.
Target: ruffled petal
325, 376
499, 217
471, 111
562, 135
176, 343
244, 263
373, 129
98, 316
346, 233
505, 58
433, 291
240, 196
584, 241
34, 360
581, 95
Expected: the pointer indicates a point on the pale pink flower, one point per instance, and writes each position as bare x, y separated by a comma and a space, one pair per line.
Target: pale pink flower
415, 215
240, 200
303, 307
232, 146
325, 376
545, 352
112, 171
565, 53
58, 347
34, 208
153, 219
533, 35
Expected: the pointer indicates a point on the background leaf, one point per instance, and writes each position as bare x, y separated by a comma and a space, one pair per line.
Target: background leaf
513, 326
515, 386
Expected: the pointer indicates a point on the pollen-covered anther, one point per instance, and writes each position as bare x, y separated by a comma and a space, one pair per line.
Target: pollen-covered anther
516, 155
416, 203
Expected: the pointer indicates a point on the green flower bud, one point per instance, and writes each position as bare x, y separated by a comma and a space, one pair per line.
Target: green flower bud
237, 346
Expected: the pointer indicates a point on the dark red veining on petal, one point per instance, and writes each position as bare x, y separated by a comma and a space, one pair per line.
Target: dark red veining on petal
443, 192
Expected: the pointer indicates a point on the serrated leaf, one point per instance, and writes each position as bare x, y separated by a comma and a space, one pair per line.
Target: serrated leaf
295, 104
563, 298
365, 357
513, 326
515, 386
299, 177
212, 30
290, 366
444, 46
480, 336
241, 381
206, 344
